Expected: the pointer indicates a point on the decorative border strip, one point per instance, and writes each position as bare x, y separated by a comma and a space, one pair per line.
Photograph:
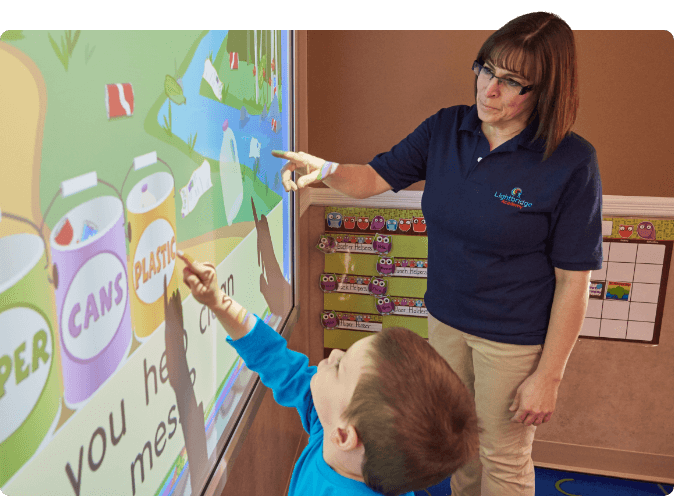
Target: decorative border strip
613, 205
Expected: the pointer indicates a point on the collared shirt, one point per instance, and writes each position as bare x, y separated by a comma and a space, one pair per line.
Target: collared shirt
499, 221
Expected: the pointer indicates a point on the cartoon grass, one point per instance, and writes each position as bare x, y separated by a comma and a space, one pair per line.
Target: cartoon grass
12, 35
67, 46
192, 141
174, 92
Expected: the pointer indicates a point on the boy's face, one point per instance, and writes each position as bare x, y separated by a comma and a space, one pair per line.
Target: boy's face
335, 380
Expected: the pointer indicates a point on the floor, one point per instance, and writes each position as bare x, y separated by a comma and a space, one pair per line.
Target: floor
556, 483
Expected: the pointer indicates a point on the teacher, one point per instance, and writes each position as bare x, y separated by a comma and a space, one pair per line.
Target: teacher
512, 204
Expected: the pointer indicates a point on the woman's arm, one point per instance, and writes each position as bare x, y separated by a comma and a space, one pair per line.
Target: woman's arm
536, 397
354, 180
566, 319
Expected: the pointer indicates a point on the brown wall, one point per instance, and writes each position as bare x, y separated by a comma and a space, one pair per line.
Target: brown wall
368, 89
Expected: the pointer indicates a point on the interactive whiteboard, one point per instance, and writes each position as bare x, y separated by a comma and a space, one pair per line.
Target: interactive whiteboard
120, 148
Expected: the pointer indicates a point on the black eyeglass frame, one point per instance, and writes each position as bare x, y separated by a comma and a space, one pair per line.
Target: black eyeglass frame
523, 89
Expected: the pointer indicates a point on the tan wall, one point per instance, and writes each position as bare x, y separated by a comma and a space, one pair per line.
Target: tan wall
367, 90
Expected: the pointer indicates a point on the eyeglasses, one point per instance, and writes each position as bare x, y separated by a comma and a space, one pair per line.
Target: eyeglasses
510, 86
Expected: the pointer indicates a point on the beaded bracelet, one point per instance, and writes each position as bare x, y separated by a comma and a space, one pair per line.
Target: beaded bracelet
327, 169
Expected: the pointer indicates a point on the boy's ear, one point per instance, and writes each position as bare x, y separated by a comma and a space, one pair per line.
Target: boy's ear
345, 437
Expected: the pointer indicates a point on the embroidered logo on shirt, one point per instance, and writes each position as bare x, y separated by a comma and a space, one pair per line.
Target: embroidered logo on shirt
514, 199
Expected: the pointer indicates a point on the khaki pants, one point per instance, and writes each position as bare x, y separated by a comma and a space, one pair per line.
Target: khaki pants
492, 372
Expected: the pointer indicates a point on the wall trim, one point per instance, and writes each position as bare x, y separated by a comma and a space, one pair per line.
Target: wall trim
613, 205
648, 467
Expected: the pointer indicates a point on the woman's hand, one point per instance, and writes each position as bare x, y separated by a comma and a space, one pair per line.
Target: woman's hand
314, 169
535, 400
202, 280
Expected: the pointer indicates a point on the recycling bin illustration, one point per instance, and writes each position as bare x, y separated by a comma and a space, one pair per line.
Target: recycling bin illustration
30, 376
152, 244
88, 251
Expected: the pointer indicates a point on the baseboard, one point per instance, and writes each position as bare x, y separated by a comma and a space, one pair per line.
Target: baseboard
614, 206
632, 465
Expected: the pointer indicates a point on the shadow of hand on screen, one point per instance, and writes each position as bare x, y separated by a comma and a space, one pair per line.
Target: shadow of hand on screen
180, 378
273, 286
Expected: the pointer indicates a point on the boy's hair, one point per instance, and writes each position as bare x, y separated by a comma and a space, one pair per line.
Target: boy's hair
414, 416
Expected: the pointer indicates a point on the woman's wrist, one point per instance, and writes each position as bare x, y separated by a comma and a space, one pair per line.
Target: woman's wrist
327, 169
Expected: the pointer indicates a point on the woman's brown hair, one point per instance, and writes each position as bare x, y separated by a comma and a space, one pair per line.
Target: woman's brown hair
540, 46
414, 416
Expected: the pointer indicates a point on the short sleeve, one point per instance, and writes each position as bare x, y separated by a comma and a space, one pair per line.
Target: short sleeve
576, 239
405, 163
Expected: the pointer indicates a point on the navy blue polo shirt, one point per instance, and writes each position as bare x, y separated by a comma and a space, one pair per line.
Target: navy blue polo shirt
498, 222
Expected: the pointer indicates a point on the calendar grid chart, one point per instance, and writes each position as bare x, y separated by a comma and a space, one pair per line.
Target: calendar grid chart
627, 294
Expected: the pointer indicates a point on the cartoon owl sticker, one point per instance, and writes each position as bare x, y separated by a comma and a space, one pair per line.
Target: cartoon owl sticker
385, 266
334, 220
329, 320
382, 244
328, 282
327, 244
377, 223
363, 223
419, 224
625, 231
384, 305
349, 222
377, 286
646, 230
391, 225
405, 225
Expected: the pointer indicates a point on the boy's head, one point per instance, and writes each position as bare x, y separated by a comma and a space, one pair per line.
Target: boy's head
393, 406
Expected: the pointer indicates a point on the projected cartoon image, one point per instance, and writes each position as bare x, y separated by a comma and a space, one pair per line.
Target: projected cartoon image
131, 146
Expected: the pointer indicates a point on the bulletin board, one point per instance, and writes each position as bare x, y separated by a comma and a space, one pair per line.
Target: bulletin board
120, 148
376, 265
374, 274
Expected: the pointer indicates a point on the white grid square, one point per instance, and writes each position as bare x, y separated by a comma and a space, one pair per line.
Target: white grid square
590, 327
623, 252
594, 308
601, 273
642, 331
644, 312
605, 249
651, 254
647, 273
619, 271
613, 329
606, 227
617, 310
647, 293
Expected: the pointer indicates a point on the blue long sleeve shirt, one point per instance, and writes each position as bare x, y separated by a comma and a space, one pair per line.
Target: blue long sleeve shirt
288, 374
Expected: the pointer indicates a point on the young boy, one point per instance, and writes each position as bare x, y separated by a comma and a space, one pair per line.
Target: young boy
388, 416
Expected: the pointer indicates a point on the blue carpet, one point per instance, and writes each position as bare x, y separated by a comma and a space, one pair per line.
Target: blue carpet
556, 483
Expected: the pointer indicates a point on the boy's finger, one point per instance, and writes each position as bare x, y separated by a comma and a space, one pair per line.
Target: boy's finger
188, 259
191, 279
201, 270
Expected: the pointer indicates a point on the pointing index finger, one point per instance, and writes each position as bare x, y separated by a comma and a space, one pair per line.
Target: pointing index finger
188, 259
280, 154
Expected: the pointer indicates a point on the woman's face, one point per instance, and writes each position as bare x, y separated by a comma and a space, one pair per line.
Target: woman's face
499, 107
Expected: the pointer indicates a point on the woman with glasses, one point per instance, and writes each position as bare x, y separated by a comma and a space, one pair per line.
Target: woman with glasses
512, 203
